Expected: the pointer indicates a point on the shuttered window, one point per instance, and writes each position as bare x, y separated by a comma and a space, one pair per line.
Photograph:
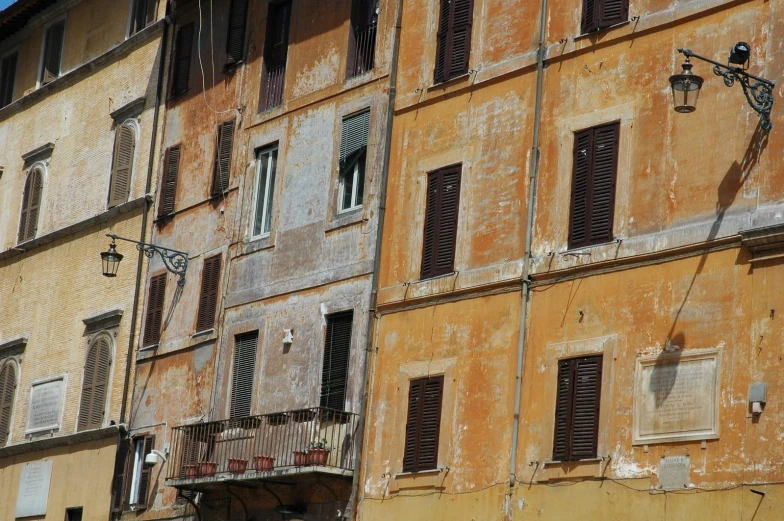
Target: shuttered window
225, 140
154, 317
276, 45
423, 424
169, 189
8, 78
120, 471
353, 154
337, 352
443, 199
595, 166
95, 385
53, 52
577, 408
598, 14
362, 37
7, 389
122, 164
143, 14
454, 39
208, 299
244, 369
31, 204
235, 36
183, 49
139, 490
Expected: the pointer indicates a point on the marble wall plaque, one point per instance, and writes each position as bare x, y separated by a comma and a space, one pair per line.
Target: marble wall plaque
676, 397
46, 400
674, 472
33, 494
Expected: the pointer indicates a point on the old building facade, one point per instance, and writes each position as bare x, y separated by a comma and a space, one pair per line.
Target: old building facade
77, 140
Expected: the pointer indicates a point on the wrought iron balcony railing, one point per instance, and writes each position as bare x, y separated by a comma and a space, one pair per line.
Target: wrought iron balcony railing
257, 446
272, 90
364, 50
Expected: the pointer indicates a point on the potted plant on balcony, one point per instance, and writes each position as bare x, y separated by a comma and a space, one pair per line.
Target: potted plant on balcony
263, 463
318, 452
238, 465
300, 458
207, 468
191, 471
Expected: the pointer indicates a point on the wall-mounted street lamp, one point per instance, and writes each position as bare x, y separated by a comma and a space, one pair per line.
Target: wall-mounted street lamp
175, 261
758, 91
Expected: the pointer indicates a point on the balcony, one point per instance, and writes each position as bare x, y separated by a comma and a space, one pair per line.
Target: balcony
280, 446
272, 86
363, 52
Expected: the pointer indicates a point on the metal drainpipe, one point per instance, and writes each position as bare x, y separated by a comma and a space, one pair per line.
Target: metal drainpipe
534, 168
150, 170
377, 258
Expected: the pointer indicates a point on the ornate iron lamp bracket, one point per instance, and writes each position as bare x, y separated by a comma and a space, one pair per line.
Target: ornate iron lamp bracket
174, 260
758, 91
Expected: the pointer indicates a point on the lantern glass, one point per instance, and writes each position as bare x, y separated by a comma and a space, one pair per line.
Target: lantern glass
111, 261
685, 89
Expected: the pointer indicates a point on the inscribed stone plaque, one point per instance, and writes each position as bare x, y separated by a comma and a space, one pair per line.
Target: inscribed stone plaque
676, 397
674, 472
45, 405
33, 495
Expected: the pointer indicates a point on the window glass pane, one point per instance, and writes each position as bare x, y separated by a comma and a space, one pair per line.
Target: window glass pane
360, 180
265, 186
347, 182
138, 461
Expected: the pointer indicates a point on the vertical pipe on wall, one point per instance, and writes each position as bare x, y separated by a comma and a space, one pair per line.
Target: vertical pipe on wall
353, 501
526, 283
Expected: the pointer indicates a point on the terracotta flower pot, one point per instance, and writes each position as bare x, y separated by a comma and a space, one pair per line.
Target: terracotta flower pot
300, 458
263, 463
238, 466
318, 456
191, 471
207, 468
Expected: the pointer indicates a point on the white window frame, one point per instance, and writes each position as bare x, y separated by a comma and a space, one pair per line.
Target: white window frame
136, 472
266, 192
354, 190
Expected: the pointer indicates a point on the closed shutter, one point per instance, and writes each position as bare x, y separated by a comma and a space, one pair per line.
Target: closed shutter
598, 14
182, 59
94, 386
7, 79
144, 478
577, 408
121, 463
441, 212
235, 37
244, 370
208, 299
31, 205
154, 316
337, 352
423, 424
595, 165
124, 146
7, 388
454, 39
220, 180
589, 18
53, 50
169, 188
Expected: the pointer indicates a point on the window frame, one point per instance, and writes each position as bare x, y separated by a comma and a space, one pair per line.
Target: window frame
133, 125
268, 194
136, 469
104, 335
438, 210
255, 334
165, 212
330, 321
134, 15
358, 175
416, 448
42, 59
595, 23
207, 297
5, 56
572, 362
158, 333
15, 370
176, 57
40, 166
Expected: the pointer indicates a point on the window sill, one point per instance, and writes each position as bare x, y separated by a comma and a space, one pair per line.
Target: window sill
449, 82
264, 242
145, 349
231, 67
578, 469
347, 218
203, 332
583, 36
423, 479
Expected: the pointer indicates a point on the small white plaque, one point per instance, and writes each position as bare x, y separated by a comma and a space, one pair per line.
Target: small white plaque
33, 495
676, 398
674, 472
46, 401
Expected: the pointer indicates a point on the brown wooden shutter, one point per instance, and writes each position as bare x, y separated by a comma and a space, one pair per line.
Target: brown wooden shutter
169, 188
454, 39
337, 352
182, 59
243, 372
577, 408
120, 471
276, 44
598, 14
208, 299
94, 386
8, 79
589, 16
594, 171
7, 389
235, 37
220, 179
441, 212
144, 478
442, 41
423, 424
122, 163
154, 317
53, 50
31, 205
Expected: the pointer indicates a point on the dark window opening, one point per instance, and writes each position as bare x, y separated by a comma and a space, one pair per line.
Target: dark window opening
242, 374
362, 37
577, 408
181, 66
276, 47
423, 424
337, 352
73, 514
7, 79
235, 35
53, 52
143, 14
